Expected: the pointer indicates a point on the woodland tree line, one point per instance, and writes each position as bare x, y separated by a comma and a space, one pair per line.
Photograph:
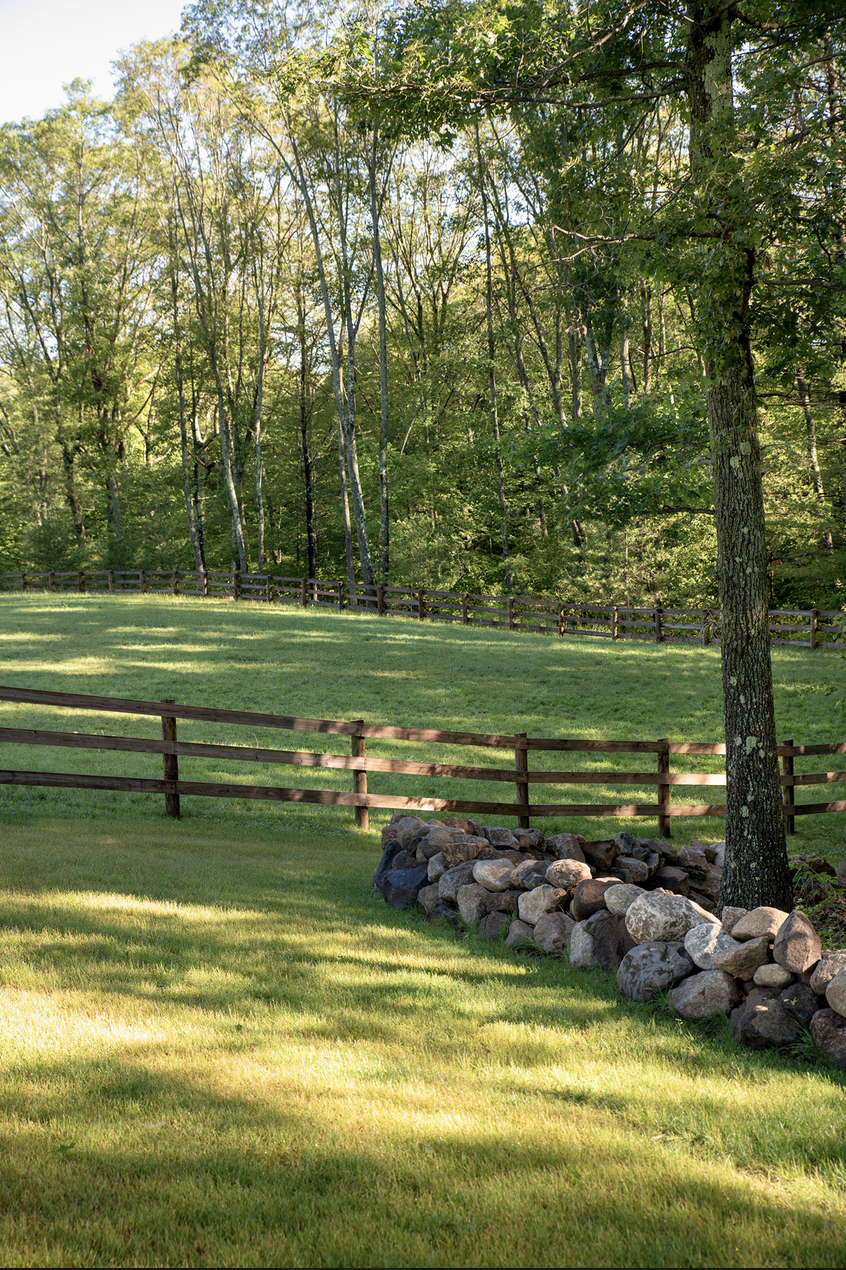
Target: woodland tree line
281, 306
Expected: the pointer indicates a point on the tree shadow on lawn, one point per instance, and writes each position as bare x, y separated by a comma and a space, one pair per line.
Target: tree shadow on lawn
118, 1162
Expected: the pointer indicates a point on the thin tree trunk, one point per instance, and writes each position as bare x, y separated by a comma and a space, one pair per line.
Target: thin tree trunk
811, 430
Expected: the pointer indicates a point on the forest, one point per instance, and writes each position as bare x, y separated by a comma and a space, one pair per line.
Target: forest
304, 298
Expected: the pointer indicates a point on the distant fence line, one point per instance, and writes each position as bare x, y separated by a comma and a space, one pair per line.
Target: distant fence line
359, 763
799, 628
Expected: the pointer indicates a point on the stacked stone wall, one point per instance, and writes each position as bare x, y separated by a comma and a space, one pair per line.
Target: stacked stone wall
635, 906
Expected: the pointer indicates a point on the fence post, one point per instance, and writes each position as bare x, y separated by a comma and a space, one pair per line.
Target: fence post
464, 617
421, 606
659, 633
706, 628
23, 581
362, 815
171, 762
615, 632
511, 628
787, 795
380, 600
175, 582
141, 580
521, 764
81, 581
664, 788
815, 617
51, 580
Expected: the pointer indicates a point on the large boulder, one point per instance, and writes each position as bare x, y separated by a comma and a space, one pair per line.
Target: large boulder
452, 880
552, 933
828, 1032
829, 964
772, 975
659, 917
835, 992
402, 886
762, 1021
650, 968
494, 875
705, 995
742, 959
589, 897
582, 947
386, 864
565, 846
568, 873
797, 945
611, 939
474, 902
532, 905
759, 921
619, 899
428, 898
704, 941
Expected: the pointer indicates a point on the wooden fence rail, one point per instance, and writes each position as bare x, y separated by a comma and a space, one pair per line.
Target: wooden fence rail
797, 628
359, 763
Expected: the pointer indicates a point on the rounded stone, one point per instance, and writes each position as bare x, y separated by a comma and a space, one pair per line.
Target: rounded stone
493, 875
532, 905
619, 899
835, 993
759, 921
772, 976
657, 916
650, 968
703, 942
568, 873
705, 995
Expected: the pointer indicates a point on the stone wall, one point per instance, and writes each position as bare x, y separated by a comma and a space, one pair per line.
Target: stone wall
635, 906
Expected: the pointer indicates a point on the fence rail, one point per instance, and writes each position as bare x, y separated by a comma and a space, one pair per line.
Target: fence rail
359, 763
516, 613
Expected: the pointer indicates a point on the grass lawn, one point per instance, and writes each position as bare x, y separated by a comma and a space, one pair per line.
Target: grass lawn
218, 1048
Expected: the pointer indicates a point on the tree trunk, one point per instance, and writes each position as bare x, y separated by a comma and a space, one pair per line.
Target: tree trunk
756, 869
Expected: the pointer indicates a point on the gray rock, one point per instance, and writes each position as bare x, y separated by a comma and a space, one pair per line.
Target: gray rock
565, 846
406, 860
631, 870
552, 932
430, 840
402, 886
406, 827
671, 878
829, 964
452, 880
528, 839
462, 849
611, 939
532, 905
771, 975
473, 902
619, 899
835, 992
428, 898
764, 1024
656, 916
589, 897
650, 968
386, 864
436, 867
743, 959
828, 1031
731, 916
703, 942
758, 922
624, 842
801, 1003
492, 926
519, 934
702, 996
493, 875
464, 825
582, 949
601, 854
529, 874
797, 945
499, 837
503, 901
568, 873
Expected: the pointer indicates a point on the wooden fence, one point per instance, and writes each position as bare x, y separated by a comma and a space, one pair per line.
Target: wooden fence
359, 763
800, 628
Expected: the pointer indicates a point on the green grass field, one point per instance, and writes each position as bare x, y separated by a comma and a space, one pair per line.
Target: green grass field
219, 1048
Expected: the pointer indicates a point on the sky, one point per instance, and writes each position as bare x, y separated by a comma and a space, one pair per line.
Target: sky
47, 43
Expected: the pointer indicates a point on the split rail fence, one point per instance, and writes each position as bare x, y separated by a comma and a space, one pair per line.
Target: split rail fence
359, 763
800, 628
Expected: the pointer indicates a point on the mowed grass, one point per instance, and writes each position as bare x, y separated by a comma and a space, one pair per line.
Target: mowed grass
219, 1048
